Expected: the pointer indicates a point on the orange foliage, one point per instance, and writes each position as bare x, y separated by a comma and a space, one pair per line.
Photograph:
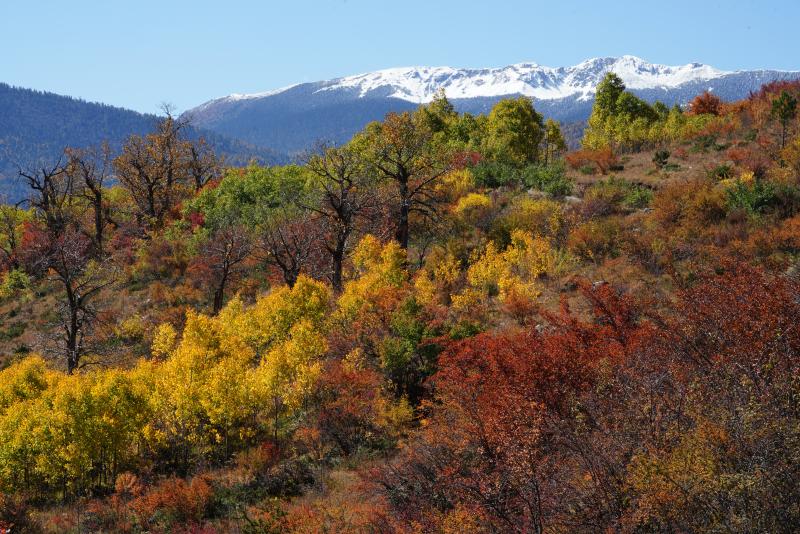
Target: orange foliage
705, 104
183, 502
751, 160
602, 159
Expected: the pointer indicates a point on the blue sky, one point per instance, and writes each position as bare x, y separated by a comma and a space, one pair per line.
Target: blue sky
140, 53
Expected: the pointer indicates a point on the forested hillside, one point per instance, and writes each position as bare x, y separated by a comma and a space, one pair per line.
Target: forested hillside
450, 323
37, 126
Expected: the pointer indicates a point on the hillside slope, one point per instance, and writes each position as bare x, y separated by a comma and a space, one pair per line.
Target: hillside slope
38, 125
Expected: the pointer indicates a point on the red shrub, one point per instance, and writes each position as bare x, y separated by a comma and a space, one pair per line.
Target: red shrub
174, 500
603, 159
705, 104
749, 159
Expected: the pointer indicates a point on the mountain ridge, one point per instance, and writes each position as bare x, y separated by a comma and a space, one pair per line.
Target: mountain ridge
419, 84
294, 117
37, 125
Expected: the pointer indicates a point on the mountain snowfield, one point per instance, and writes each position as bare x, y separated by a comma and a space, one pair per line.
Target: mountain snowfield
420, 84
293, 118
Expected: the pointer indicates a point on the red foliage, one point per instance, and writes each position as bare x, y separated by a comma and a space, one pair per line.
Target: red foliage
754, 161
466, 159
706, 104
536, 429
181, 501
492, 443
775, 88
603, 159
347, 411
196, 219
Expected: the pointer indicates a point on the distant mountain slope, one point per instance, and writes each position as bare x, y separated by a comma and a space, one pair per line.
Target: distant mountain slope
292, 118
36, 125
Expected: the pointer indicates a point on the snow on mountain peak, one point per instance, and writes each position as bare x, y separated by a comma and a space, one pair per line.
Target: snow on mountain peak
420, 84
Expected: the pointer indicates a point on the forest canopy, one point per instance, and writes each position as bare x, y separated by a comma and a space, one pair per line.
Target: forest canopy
450, 323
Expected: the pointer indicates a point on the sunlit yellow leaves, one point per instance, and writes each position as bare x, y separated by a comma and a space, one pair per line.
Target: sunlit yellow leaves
507, 274
472, 208
439, 276
377, 267
164, 340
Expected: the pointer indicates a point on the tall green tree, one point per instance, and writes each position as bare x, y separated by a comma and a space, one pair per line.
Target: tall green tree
514, 131
554, 142
784, 108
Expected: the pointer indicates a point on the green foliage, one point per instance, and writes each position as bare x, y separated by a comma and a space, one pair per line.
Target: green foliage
618, 194
757, 196
552, 179
514, 132
661, 158
618, 117
554, 143
496, 174
622, 121
784, 109
13, 283
404, 359
721, 172
248, 196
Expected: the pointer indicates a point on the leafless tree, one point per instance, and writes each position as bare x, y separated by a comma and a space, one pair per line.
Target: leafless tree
203, 165
223, 256
51, 193
90, 170
66, 258
291, 244
346, 195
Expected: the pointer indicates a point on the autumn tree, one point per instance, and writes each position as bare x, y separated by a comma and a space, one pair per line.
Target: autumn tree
514, 131
91, 171
67, 258
400, 150
12, 221
706, 104
162, 168
346, 197
784, 109
222, 260
352, 410
57, 247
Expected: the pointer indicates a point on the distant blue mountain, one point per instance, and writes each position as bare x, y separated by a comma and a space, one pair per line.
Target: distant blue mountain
36, 125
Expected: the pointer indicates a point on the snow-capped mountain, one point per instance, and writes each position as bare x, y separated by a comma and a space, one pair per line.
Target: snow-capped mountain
420, 84
293, 117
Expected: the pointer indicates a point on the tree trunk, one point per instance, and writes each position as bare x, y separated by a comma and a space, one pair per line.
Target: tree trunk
401, 234
290, 277
337, 259
98, 224
219, 295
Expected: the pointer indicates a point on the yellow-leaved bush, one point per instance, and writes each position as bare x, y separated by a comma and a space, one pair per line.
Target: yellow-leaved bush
378, 270
506, 274
243, 373
436, 281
